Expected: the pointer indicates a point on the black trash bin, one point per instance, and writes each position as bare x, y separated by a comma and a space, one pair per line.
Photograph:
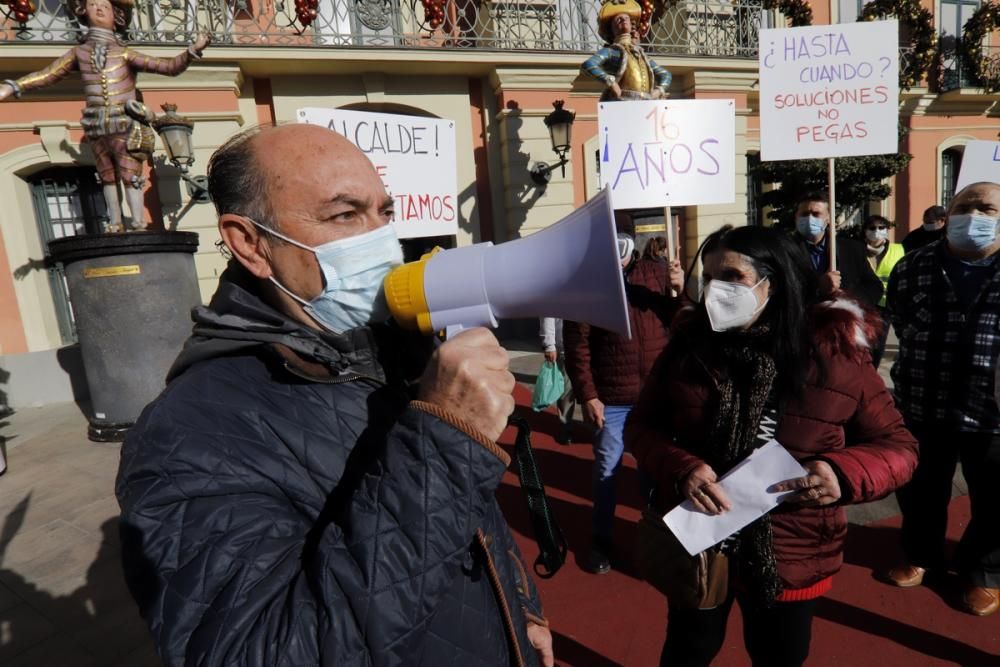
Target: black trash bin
132, 296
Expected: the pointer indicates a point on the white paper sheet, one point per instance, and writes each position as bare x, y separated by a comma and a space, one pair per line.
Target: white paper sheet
747, 486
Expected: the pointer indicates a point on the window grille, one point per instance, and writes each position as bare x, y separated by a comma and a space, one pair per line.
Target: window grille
67, 202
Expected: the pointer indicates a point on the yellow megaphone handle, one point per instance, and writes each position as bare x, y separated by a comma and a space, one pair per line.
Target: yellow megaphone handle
405, 296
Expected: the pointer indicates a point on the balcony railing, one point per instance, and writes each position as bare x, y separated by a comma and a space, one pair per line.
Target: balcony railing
956, 75
719, 28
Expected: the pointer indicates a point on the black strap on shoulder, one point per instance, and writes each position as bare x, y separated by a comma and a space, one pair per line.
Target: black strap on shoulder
552, 545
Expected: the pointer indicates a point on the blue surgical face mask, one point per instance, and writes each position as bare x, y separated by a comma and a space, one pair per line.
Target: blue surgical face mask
972, 232
353, 271
810, 226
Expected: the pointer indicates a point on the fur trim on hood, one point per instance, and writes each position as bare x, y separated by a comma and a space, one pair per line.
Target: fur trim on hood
843, 326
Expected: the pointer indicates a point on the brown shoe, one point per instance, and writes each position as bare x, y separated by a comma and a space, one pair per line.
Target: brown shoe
981, 601
906, 576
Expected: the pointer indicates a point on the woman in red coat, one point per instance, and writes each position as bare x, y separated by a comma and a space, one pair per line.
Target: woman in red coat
760, 345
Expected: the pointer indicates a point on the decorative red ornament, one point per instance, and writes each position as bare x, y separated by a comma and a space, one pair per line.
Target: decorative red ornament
22, 10
645, 17
434, 12
305, 11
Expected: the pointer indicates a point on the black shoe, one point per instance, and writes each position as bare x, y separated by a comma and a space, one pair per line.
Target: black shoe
564, 438
599, 561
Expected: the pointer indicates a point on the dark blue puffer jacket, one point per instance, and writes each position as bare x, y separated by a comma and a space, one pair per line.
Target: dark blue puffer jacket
284, 503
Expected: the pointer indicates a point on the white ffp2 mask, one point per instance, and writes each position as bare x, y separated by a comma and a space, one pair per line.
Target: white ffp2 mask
731, 305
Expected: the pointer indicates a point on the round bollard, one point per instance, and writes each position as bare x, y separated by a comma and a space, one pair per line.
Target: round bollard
132, 296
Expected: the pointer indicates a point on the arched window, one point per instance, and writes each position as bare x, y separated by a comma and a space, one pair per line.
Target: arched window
951, 164
67, 202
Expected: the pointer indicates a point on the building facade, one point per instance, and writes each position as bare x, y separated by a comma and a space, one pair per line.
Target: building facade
494, 67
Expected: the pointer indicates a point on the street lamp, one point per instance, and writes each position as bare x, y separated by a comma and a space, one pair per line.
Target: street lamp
560, 124
176, 132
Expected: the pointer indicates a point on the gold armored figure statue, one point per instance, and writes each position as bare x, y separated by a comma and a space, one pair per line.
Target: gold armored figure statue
622, 65
114, 122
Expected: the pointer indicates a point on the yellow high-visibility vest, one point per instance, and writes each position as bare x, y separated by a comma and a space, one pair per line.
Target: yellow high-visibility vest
884, 268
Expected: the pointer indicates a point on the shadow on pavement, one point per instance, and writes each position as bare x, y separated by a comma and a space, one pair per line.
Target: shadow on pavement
574, 520
96, 624
928, 643
876, 549
571, 653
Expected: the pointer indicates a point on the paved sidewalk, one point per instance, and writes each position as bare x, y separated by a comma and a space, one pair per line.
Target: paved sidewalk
62, 598
63, 601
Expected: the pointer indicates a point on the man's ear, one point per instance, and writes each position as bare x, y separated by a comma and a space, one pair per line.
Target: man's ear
247, 244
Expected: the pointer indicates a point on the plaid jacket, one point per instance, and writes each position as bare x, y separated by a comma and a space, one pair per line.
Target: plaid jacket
944, 374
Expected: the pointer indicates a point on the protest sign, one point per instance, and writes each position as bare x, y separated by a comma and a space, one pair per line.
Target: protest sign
980, 162
668, 152
829, 90
414, 156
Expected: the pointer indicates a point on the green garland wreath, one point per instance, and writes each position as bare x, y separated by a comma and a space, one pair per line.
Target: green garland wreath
984, 70
798, 12
923, 38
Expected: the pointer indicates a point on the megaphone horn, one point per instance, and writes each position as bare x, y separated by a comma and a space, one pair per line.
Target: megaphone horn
570, 270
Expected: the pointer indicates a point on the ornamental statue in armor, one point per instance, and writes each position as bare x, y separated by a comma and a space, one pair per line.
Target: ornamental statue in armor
116, 125
622, 65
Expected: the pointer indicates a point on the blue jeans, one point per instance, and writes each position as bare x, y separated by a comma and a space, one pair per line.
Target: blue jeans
609, 446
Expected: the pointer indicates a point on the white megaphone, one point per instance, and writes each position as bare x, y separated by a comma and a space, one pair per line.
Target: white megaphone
570, 270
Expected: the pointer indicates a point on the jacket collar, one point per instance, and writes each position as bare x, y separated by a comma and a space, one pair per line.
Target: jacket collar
237, 319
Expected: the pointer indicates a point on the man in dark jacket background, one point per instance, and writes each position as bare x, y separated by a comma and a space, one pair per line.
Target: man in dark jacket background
932, 229
944, 301
607, 371
854, 273
285, 501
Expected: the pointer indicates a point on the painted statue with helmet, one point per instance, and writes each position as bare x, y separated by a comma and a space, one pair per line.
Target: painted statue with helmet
622, 65
115, 123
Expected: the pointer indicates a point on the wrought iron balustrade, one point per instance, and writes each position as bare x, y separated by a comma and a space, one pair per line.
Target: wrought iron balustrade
955, 74
717, 28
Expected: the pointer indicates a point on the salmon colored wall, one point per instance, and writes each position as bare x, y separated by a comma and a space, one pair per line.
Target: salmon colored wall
202, 101
821, 13
917, 187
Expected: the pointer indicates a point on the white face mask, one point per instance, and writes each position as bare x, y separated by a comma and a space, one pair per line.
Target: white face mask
876, 235
731, 305
353, 272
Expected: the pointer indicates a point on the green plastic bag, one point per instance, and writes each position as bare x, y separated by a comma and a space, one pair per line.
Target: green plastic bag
549, 386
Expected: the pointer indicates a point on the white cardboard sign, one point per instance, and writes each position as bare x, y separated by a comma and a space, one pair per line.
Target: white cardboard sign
414, 155
829, 90
980, 162
668, 152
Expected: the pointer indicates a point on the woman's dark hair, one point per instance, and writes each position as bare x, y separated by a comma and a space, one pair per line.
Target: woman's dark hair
655, 247
793, 288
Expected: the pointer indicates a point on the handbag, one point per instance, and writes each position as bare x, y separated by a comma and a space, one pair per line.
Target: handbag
690, 582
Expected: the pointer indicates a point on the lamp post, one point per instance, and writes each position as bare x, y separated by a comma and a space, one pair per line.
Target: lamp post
560, 124
176, 132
